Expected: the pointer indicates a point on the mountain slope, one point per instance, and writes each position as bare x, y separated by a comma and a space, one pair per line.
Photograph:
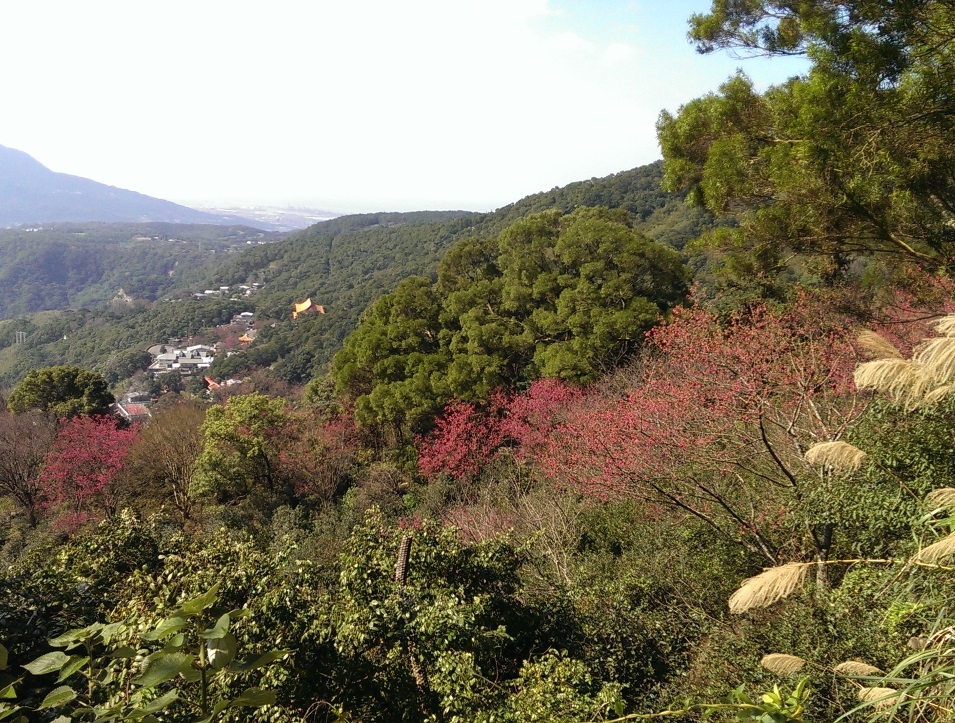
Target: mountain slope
343, 264
30, 193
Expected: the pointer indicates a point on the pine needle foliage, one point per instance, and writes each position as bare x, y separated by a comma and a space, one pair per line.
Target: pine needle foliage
840, 456
782, 664
769, 587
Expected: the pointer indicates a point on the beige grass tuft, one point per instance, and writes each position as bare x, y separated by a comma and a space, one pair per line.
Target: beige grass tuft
841, 456
937, 394
942, 497
934, 553
900, 379
882, 697
782, 664
946, 325
769, 586
856, 668
877, 346
937, 358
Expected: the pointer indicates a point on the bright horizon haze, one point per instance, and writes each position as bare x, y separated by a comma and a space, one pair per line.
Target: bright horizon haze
359, 106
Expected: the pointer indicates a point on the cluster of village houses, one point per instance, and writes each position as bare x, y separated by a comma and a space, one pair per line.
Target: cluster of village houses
188, 361
194, 360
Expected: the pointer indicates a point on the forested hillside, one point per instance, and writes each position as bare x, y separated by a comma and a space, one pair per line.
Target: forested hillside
557, 470
343, 264
72, 266
347, 263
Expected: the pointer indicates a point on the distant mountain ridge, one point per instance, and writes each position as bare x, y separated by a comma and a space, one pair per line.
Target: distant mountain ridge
30, 193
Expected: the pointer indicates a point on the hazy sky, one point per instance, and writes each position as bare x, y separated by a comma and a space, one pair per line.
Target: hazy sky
349, 105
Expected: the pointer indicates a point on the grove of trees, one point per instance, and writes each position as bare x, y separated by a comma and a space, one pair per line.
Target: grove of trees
567, 472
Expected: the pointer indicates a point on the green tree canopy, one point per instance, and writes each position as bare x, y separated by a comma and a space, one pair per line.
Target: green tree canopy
559, 295
854, 158
63, 390
240, 446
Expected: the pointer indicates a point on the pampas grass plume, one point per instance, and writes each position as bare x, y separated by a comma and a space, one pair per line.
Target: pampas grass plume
946, 325
882, 697
768, 587
782, 664
855, 668
936, 394
900, 379
937, 357
934, 553
877, 346
942, 497
841, 456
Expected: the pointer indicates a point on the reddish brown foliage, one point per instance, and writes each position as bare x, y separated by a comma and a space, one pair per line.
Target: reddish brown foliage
81, 467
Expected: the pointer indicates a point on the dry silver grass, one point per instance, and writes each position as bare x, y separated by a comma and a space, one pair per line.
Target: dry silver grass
877, 346
881, 697
841, 456
782, 664
856, 668
934, 553
937, 394
943, 497
937, 359
900, 379
946, 325
769, 586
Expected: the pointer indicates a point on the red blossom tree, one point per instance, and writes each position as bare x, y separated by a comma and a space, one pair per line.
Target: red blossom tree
319, 458
467, 436
718, 420
464, 439
81, 469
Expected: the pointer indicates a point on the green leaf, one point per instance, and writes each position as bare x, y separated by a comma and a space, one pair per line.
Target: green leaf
162, 667
71, 637
218, 630
252, 663
161, 703
110, 630
191, 674
254, 698
47, 663
174, 643
75, 663
221, 651
3, 657
8, 693
166, 627
198, 604
57, 697
124, 652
